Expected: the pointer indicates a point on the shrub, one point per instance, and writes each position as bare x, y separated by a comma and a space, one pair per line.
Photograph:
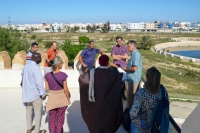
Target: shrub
39, 40
145, 42
47, 44
71, 50
83, 39
190, 73
11, 41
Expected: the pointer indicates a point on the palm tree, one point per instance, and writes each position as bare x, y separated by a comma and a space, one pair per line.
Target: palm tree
145, 42
88, 28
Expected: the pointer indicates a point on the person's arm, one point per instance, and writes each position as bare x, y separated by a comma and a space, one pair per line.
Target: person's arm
131, 69
120, 70
66, 91
81, 60
39, 82
101, 52
46, 85
125, 56
135, 63
113, 54
115, 57
135, 109
47, 55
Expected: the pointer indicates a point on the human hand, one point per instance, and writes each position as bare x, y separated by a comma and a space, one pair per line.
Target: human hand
101, 51
69, 102
124, 68
113, 65
119, 56
43, 97
84, 65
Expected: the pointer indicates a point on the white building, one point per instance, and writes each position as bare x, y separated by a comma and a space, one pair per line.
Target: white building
185, 25
135, 26
55, 27
115, 27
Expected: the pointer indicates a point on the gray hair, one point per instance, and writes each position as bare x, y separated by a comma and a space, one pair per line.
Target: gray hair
132, 42
56, 61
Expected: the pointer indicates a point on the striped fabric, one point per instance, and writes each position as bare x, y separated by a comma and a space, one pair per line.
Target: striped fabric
105, 114
29, 56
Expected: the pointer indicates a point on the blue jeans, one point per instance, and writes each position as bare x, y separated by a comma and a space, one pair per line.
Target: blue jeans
84, 68
134, 128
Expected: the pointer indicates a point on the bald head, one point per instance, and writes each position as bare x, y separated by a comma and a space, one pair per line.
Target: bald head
36, 57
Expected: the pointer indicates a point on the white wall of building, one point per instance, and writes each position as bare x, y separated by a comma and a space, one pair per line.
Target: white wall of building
135, 26
116, 27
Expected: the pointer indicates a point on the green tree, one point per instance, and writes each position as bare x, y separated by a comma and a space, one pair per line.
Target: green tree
33, 37
106, 27
83, 39
145, 42
47, 45
59, 29
11, 41
53, 30
93, 28
47, 29
89, 28
75, 29
39, 40
71, 50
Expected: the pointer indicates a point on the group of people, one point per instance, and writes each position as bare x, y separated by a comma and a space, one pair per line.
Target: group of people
101, 89
34, 92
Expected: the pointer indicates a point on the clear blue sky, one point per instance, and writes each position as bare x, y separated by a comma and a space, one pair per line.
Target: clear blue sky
118, 11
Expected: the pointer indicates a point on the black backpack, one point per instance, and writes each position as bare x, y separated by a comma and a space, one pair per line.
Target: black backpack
126, 122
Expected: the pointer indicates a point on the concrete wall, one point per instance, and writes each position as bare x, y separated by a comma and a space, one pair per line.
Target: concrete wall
161, 48
12, 78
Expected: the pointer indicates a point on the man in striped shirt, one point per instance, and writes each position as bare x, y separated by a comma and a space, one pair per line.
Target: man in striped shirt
34, 49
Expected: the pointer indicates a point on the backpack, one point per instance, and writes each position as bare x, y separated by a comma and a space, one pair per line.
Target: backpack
160, 119
126, 122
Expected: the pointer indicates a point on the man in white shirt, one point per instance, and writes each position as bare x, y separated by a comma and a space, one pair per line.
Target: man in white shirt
33, 92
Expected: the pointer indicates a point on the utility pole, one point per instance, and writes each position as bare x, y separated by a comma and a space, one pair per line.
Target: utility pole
9, 23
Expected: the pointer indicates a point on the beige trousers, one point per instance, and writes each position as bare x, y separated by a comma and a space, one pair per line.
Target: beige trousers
37, 106
130, 90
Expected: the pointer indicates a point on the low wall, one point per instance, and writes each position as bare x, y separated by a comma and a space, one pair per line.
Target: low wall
12, 78
180, 39
162, 49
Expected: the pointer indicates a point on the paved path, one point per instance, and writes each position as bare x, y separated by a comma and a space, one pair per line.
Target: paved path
12, 113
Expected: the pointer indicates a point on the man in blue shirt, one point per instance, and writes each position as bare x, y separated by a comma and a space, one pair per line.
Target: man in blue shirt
33, 92
87, 57
133, 71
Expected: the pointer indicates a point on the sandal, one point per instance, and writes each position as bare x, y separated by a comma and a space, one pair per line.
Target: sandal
42, 131
29, 131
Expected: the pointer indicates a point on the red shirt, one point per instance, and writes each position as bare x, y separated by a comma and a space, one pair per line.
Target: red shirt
51, 54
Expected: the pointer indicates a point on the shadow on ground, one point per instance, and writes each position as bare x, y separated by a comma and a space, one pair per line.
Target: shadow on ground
74, 119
